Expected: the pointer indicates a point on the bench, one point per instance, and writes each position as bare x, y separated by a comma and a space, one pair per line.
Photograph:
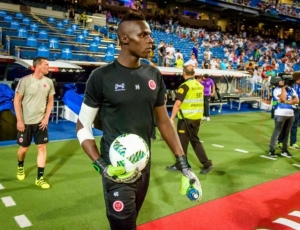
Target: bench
240, 99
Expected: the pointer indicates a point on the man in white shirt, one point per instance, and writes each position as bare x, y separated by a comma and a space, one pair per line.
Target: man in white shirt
178, 54
192, 61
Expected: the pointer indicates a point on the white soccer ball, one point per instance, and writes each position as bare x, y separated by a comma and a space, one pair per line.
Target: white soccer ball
129, 150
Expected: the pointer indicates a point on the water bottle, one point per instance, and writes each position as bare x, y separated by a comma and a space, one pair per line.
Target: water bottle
192, 194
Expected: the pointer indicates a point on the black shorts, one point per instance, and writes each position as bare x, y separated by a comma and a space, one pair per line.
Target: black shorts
40, 136
124, 201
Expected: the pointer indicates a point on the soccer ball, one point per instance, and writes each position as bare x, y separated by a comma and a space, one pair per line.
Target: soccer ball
129, 150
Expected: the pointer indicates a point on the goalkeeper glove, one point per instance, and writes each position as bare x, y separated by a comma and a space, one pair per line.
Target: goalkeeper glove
117, 174
188, 180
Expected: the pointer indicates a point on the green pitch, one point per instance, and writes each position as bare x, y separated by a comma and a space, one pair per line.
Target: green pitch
75, 200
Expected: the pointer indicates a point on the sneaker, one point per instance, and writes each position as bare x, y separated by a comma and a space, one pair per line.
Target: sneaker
279, 145
295, 146
286, 154
272, 154
206, 170
208, 119
42, 183
20, 173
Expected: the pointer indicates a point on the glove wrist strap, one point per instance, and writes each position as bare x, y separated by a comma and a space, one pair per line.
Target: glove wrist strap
99, 165
181, 163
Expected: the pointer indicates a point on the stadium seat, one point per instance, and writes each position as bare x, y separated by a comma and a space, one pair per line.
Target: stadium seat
80, 38
69, 31
59, 25
75, 27
26, 21
19, 15
53, 43
14, 25
31, 41
2, 13
43, 34
66, 54
22, 33
85, 33
43, 51
51, 20
110, 53
8, 18
93, 47
97, 40
34, 27
65, 21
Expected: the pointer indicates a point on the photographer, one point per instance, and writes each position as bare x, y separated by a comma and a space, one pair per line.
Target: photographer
284, 96
294, 129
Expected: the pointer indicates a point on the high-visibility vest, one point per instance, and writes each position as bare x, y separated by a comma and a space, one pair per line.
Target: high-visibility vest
83, 17
192, 105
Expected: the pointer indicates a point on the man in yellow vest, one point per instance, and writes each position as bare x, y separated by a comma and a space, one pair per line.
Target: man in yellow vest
83, 18
189, 107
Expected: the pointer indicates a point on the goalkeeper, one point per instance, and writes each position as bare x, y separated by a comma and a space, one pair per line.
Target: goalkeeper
127, 94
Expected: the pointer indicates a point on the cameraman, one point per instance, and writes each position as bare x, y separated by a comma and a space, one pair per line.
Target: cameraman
283, 97
294, 129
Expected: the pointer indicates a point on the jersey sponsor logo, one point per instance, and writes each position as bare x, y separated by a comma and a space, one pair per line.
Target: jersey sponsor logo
180, 91
120, 87
152, 84
118, 206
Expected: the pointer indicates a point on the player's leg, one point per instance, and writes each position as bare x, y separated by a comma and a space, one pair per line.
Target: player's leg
120, 201
24, 140
142, 187
41, 139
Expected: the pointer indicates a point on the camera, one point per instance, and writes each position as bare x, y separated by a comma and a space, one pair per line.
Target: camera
287, 78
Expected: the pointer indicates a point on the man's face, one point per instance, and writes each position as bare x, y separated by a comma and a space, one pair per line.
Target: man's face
43, 67
139, 39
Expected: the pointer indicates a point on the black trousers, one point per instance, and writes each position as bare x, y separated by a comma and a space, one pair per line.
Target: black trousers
206, 106
124, 201
190, 135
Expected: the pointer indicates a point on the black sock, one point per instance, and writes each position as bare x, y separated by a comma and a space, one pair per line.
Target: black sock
40, 172
20, 163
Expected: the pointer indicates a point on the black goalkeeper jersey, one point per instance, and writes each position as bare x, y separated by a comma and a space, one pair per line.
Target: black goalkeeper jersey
126, 98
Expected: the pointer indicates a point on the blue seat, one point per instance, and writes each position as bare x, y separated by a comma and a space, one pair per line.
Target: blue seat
51, 20
8, 18
26, 21
19, 15
75, 27
65, 21
22, 33
59, 25
14, 25
80, 38
85, 33
66, 53
43, 51
97, 40
53, 43
2, 13
69, 31
110, 53
31, 41
43, 34
34, 27
93, 47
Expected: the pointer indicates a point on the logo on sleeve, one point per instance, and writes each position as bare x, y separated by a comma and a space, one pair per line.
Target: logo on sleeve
180, 91
152, 84
118, 206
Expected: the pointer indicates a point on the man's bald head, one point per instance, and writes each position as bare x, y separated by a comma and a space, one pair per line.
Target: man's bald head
189, 70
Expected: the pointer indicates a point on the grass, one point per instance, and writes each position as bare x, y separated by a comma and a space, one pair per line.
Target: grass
75, 200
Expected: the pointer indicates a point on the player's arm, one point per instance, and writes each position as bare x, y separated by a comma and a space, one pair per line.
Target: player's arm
175, 109
18, 110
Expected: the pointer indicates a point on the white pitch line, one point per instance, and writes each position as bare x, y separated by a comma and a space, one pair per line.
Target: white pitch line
219, 146
242, 151
22, 221
8, 201
296, 165
1, 186
270, 158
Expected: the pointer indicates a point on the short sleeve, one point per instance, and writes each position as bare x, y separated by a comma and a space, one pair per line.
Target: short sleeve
94, 88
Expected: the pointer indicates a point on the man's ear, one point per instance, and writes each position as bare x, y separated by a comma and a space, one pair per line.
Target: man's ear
124, 39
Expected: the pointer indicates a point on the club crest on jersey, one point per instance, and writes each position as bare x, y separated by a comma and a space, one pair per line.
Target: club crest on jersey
152, 84
120, 87
118, 206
